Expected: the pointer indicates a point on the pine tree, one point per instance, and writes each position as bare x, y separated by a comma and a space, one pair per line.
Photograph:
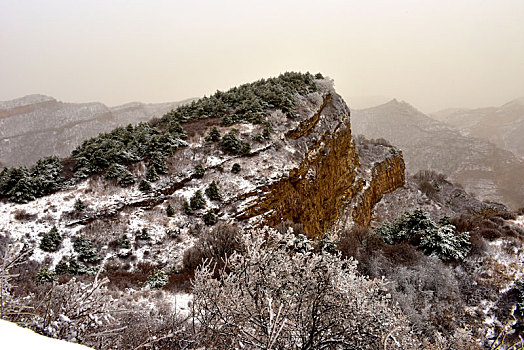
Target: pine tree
152, 175
23, 191
115, 171
209, 218
158, 162
197, 201
199, 170
86, 251
51, 240
213, 136
170, 211
124, 242
80, 205
45, 275
212, 192
144, 186
235, 169
126, 179
186, 207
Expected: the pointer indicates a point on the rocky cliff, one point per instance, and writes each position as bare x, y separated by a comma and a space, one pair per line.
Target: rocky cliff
309, 171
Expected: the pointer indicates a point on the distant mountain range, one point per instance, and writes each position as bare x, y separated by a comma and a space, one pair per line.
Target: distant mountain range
503, 126
492, 173
480, 148
37, 126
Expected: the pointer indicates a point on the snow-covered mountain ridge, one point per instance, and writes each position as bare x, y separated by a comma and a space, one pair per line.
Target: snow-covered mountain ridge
37, 126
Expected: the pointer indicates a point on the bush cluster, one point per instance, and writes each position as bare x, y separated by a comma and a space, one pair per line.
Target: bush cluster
419, 230
248, 102
22, 185
232, 144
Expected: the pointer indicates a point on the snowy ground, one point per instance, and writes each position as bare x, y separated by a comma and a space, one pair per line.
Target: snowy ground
15, 337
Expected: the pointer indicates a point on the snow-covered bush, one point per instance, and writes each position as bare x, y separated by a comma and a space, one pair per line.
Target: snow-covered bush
157, 279
445, 244
85, 250
419, 230
275, 297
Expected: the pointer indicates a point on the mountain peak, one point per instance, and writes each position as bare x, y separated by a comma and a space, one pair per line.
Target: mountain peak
25, 101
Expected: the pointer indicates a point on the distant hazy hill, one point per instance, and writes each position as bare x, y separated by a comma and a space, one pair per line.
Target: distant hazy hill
484, 169
36, 126
503, 126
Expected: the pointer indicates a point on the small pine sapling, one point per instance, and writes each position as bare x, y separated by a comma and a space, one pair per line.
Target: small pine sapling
210, 218
144, 186
213, 136
170, 211
197, 201
124, 242
186, 207
143, 234
45, 275
199, 171
51, 240
80, 205
212, 192
235, 169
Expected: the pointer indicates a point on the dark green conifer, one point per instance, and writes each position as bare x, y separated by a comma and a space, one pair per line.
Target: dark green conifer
209, 218
197, 201
144, 186
212, 192
235, 169
170, 211
51, 240
213, 136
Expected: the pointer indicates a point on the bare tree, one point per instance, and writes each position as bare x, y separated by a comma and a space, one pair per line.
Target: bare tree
280, 294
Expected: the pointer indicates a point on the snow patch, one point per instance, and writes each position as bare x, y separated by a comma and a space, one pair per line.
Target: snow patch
16, 337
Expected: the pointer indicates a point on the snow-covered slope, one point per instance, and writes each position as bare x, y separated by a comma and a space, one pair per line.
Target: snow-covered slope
16, 337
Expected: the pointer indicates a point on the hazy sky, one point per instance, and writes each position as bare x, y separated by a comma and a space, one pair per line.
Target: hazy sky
432, 54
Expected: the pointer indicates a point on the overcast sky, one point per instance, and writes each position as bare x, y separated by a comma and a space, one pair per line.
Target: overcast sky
432, 54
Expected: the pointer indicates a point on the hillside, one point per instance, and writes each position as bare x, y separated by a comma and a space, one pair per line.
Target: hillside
482, 168
37, 126
243, 214
502, 126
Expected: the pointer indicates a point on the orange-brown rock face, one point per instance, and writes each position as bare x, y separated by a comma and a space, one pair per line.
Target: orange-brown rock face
314, 193
326, 182
387, 176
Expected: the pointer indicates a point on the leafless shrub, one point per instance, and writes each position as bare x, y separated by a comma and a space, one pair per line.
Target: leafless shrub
272, 297
22, 215
215, 244
284, 226
12, 255
428, 189
429, 175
